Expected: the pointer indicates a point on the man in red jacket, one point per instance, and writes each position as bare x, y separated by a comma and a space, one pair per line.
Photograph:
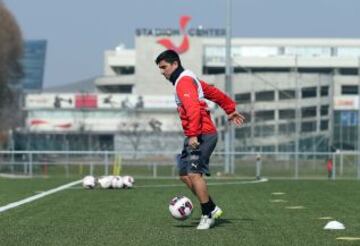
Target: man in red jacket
200, 131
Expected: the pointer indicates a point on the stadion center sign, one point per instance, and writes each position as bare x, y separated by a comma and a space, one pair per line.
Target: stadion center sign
169, 32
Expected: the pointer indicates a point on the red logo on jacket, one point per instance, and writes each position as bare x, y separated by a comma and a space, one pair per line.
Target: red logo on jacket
184, 46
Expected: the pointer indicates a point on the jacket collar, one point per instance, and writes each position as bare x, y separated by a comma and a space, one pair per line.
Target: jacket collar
175, 75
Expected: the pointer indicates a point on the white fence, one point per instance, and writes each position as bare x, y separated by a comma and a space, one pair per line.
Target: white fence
162, 164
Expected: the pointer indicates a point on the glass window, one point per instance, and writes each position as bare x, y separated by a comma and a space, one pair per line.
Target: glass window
286, 94
308, 112
349, 89
308, 126
243, 132
242, 98
264, 115
33, 63
348, 71
324, 125
214, 53
324, 109
264, 130
308, 51
123, 89
265, 96
288, 147
348, 51
287, 128
268, 148
124, 70
324, 90
255, 51
287, 113
308, 92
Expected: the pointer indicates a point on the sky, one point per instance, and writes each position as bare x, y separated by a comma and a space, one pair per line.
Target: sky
79, 31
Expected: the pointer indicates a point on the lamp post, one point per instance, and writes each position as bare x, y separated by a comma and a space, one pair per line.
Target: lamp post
229, 134
297, 119
358, 122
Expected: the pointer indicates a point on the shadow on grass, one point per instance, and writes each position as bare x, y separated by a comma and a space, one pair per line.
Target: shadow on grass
218, 223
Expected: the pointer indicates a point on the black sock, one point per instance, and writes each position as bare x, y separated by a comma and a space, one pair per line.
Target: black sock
212, 203
207, 207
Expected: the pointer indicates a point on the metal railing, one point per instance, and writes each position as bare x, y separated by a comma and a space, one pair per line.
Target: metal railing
310, 165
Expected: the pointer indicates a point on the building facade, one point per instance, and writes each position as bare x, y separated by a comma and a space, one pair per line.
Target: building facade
290, 90
33, 63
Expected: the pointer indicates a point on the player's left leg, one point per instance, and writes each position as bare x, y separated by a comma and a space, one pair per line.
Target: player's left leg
200, 189
206, 149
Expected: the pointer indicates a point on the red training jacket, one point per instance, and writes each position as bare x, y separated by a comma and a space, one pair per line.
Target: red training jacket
194, 113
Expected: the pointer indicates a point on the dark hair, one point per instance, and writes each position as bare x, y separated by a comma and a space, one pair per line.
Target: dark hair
169, 56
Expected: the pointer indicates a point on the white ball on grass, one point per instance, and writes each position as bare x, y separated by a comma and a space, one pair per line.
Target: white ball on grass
117, 182
89, 182
180, 207
128, 181
105, 182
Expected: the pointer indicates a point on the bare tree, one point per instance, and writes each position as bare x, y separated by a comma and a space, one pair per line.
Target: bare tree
10, 70
134, 132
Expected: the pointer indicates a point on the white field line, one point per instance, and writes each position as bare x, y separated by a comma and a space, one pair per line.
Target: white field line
38, 196
209, 184
14, 176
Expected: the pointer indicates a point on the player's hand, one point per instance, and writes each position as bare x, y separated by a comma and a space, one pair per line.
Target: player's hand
236, 118
193, 142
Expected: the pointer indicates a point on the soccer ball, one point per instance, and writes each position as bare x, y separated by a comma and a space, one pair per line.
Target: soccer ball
128, 181
117, 182
88, 182
180, 207
105, 182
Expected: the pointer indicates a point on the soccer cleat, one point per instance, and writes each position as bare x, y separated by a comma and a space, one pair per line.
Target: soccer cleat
205, 222
216, 213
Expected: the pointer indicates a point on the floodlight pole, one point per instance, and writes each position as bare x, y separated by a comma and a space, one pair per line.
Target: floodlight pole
229, 133
358, 123
297, 119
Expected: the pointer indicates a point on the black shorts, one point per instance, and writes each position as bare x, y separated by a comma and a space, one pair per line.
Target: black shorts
196, 160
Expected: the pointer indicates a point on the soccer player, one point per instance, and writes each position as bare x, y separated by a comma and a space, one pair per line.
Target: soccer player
200, 131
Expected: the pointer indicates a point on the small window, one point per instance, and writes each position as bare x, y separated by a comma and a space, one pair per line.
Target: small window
287, 128
349, 90
308, 126
324, 109
124, 70
268, 148
263, 96
308, 112
264, 130
243, 132
308, 92
122, 89
324, 91
286, 94
348, 71
264, 115
287, 114
243, 98
324, 125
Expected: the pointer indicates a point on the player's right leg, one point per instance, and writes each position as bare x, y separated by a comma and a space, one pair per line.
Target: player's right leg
186, 179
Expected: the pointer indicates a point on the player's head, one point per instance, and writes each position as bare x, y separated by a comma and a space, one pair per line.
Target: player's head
168, 61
